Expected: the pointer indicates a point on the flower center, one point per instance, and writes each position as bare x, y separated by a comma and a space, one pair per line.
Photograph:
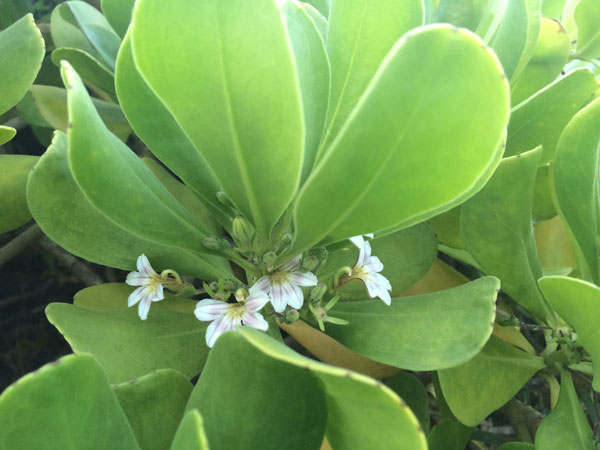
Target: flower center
154, 282
358, 272
236, 311
279, 277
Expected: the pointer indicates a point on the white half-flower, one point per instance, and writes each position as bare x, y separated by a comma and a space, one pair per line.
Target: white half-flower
150, 286
366, 269
283, 285
359, 240
226, 316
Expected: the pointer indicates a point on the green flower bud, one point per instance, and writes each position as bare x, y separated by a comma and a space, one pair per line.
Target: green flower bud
243, 233
229, 285
216, 244
317, 293
224, 199
291, 316
310, 263
269, 258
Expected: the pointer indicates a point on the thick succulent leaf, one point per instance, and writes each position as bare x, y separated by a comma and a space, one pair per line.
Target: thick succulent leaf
323, 6
64, 213
445, 436
166, 340
51, 102
77, 24
360, 35
118, 14
566, 426
553, 8
410, 389
6, 134
588, 34
485, 383
117, 182
550, 56
413, 103
13, 10
241, 106
65, 405
21, 53
578, 302
160, 131
458, 321
312, 67
554, 247
190, 434
480, 16
154, 406
575, 176
540, 119
356, 405
319, 19
88, 67
543, 203
406, 255
497, 230
516, 37
14, 170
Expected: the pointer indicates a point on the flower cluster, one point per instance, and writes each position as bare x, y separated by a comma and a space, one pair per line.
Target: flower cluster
281, 287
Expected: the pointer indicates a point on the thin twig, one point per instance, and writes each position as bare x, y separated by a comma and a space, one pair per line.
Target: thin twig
86, 275
20, 243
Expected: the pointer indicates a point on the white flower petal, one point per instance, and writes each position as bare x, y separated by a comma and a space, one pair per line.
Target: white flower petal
255, 320
373, 265
303, 279
382, 281
385, 296
357, 240
292, 264
278, 298
216, 329
136, 279
210, 309
263, 284
158, 294
135, 296
370, 235
294, 295
144, 308
144, 267
256, 300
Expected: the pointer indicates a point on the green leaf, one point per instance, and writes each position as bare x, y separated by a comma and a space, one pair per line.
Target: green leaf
319, 19
444, 436
553, 8
554, 247
323, 6
190, 434
238, 70
359, 37
118, 183
475, 15
540, 119
160, 131
128, 347
51, 102
312, 67
406, 255
68, 218
356, 405
587, 13
458, 322
91, 70
516, 446
21, 53
14, 170
550, 56
516, 37
118, 13
485, 383
412, 104
12, 10
497, 230
543, 204
65, 405
577, 302
154, 406
575, 176
6, 134
410, 389
566, 426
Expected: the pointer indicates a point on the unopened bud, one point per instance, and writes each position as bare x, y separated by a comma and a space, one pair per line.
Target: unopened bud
310, 263
243, 232
321, 253
291, 316
286, 240
214, 286
216, 244
317, 293
229, 285
224, 199
269, 258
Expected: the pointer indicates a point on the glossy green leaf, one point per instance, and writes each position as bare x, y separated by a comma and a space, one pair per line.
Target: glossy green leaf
239, 69
360, 35
566, 426
548, 60
543, 203
190, 434
458, 323
497, 230
406, 255
444, 436
554, 247
14, 170
578, 302
65, 405
516, 446
118, 183
318, 18
410, 389
68, 218
323, 6
118, 13
6, 134
588, 34
51, 102
88, 67
160, 131
77, 24
312, 67
575, 176
553, 8
399, 183
485, 383
540, 119
356, 405
21, 53
516, 37
13, 10
128, 347
154, 406
475, 15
